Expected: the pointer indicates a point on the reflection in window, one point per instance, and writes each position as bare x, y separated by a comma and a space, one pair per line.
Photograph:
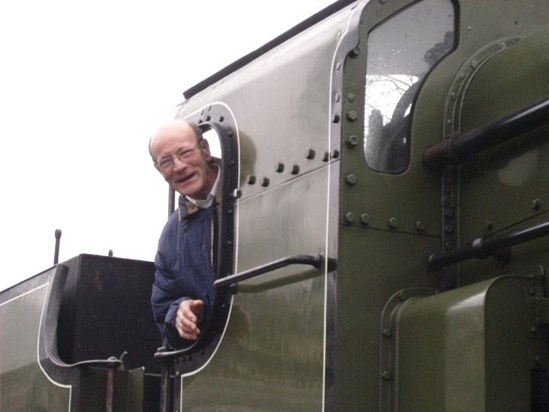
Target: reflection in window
401, 51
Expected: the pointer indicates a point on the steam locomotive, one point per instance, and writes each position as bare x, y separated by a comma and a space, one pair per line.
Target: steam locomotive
383, 236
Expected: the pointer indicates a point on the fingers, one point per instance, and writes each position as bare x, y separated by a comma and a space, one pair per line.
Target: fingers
187, 319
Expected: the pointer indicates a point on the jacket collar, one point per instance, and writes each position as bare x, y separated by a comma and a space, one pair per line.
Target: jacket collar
188, 208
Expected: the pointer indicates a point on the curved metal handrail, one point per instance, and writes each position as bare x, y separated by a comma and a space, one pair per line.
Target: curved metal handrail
315, 261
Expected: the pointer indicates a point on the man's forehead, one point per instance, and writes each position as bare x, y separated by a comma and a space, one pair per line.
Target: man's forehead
173, 132
177, 129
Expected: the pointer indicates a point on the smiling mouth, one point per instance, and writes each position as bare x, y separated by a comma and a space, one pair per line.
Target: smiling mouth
185, 179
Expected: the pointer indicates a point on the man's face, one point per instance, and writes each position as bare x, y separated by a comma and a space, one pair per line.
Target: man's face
183, 161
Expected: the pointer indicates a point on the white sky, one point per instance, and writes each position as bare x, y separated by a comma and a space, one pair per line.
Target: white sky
83, 84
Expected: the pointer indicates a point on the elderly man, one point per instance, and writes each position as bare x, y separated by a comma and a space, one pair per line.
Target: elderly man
183, 291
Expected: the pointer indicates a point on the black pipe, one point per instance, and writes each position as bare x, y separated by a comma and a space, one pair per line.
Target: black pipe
165, 384
58, 234
483, 247
171, 201
458, 148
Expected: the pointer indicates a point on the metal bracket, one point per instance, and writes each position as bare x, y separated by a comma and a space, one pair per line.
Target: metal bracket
388, 343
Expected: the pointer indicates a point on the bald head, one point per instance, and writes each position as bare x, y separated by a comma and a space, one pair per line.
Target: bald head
172, 129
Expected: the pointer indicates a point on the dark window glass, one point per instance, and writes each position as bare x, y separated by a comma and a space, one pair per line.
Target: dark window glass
401, 51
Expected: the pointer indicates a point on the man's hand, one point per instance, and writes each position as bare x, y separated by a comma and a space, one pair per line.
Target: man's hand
187, 318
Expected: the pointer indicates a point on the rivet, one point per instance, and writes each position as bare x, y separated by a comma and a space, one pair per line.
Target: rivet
338, 66
352, 141
536, 204
251, 179
355, 52
237, 193
221, 118
489, 225
279, 168
335, 154
448, 212
350, 217
265, 182
295, 170
335, 118
337, 97
448, 245
310, 154
393, 222
365, 219
386, 375
326, 157
352, 115
449, 228
351, 97
351, 179
420, 226
403, 295
387, 332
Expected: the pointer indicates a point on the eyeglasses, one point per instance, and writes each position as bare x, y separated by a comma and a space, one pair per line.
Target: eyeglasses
165, 165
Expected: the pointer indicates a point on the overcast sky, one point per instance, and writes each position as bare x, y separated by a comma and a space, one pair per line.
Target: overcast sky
83, 84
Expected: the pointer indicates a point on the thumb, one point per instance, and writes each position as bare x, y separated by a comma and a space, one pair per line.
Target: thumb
197, 307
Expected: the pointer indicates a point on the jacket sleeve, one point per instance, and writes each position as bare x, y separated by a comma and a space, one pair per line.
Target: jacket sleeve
165, 306
165, 297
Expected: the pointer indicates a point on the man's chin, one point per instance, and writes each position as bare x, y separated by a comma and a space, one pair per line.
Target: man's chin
186, 190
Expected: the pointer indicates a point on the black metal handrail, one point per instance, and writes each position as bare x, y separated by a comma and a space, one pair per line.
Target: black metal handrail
311, 260
458, 148
484, 247
164, 354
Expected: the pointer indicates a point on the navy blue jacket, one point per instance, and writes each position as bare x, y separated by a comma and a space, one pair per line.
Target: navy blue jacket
183, 267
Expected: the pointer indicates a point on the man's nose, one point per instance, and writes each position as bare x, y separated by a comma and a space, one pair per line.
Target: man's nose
178, 164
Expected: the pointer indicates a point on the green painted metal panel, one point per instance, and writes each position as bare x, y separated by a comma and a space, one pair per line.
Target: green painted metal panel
24, 385
282, 105
272, 354
470, 349
513, 174
410, 198
372, 266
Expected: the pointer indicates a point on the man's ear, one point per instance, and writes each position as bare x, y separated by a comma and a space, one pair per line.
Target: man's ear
205, 147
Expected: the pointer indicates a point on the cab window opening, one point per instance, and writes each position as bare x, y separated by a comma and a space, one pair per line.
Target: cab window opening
401, 52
